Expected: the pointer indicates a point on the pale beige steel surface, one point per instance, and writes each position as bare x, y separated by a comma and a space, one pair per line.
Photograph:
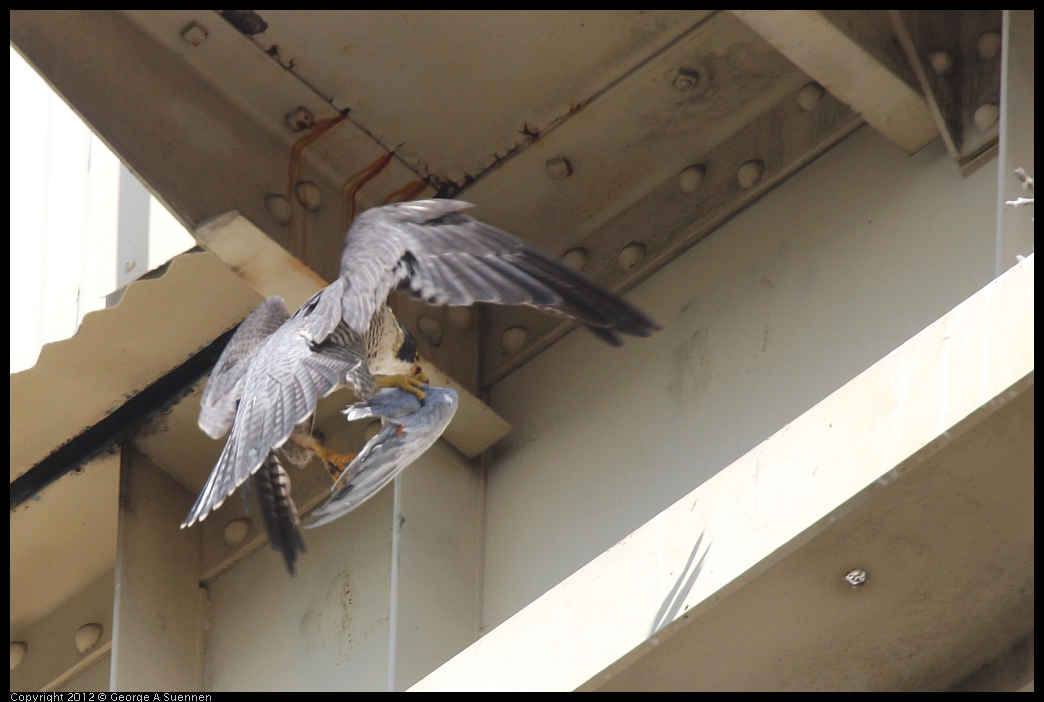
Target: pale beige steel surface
52, 658
159, 604
847, 69
63, 539
871, 442
778, 308
454, 90
1015, 224
324, 629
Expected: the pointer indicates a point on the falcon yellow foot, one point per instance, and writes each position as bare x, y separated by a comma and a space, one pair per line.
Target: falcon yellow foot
336, 463
409, 383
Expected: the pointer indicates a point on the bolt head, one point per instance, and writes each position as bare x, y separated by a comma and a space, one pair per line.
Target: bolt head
941, 62
512, 340
431, 329
309, 195
236, 531
279, 207
559, 168
18, 650
809, 96
856, 577
749, 173
685, 80
986, 116
194, 33
87, 636
988, 45
576, 258
460, 317
690, 179
631, 255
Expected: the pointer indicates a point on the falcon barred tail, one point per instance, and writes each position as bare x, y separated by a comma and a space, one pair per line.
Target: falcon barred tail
278, 510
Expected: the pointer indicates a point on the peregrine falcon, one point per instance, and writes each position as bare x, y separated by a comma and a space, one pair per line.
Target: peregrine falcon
346, 335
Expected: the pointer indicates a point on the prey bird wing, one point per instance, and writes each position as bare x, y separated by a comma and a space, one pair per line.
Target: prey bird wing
409, 429
430, 250
217, 407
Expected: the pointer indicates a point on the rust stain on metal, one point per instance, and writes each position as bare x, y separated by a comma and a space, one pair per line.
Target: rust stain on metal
300, 248
530, 132
406, 192
356, 181
448, 188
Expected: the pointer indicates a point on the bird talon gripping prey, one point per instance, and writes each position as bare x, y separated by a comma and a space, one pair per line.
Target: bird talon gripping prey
276, 367
409, 383
335, 463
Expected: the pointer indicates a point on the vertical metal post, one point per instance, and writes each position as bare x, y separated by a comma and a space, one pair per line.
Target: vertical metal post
158, 608
1015, 224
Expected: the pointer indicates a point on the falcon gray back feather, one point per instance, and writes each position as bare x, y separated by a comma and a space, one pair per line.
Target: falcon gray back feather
217, 407
409, 429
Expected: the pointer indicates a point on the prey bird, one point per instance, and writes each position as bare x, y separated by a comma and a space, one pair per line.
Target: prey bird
347, 335
409, 426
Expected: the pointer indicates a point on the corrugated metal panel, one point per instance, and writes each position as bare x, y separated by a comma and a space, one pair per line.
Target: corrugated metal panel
82, 225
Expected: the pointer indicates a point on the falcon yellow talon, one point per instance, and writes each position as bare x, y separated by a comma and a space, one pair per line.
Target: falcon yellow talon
336, 463
409, 383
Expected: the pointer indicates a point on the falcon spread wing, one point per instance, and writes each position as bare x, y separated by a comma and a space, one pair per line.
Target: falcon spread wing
429, 250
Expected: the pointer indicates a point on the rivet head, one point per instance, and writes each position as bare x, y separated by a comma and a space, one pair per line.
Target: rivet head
559, 168
856, 577
988, 45
749, 173
279, 207
809, 96
87, 636
631, 255
300, 119
986, 116
18, 649
431, 329
309, 195
576, 258
236, 531
685, 80
194, 33
461, 317
371, 430
513, 339
941, 62
690, 179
